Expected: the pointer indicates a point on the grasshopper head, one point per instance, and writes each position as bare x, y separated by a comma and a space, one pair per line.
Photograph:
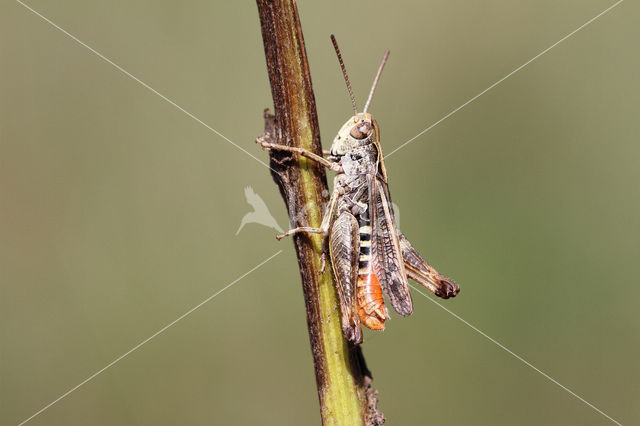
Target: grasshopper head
359, 130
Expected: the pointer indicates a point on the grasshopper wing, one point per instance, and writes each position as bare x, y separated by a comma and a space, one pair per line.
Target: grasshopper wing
420, 271
385, 248
343, 247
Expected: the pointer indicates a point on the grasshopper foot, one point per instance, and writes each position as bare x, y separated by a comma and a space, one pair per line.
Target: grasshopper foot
447, 289
324, 263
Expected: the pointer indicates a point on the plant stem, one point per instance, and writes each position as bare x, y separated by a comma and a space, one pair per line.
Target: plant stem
342, 378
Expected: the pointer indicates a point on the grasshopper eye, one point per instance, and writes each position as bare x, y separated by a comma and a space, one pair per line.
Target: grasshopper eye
361, 130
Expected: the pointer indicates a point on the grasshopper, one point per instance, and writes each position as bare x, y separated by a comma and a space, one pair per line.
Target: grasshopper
368, 253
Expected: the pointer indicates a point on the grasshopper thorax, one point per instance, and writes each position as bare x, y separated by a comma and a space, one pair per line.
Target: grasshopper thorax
358, 131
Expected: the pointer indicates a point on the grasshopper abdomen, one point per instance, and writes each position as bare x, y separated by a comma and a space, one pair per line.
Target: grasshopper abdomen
371, 308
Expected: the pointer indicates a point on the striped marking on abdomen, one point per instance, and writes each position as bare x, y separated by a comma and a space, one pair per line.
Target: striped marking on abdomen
371, 307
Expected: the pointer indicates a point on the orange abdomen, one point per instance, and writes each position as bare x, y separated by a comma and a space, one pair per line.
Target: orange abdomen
371, 307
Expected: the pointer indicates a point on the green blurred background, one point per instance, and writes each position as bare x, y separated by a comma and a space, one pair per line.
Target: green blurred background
118, 212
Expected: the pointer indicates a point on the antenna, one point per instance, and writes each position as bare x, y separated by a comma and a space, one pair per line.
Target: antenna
344, 73
375, 81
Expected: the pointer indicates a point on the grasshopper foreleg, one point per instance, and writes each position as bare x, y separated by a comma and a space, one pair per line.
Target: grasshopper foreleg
301, 151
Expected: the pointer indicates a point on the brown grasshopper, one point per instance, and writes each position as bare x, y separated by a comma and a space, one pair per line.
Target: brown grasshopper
368, 252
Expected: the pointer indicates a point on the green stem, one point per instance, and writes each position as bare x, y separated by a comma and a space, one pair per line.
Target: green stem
346, 397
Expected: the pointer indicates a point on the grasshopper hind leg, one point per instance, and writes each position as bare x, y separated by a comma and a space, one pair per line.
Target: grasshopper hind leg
420, 271
343, 249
